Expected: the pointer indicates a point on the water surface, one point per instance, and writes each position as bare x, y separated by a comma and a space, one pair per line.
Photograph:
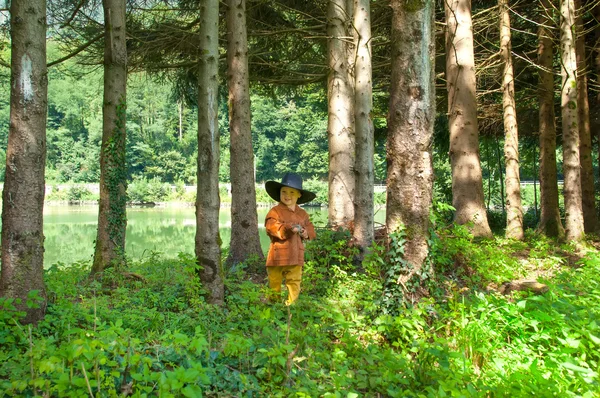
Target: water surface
70, 231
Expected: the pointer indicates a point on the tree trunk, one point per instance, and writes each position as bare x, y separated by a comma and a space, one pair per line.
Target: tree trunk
411, 120
112, 217
467, 181
208, 240
340, 125
585, 137
363, 104
514, 208
570, 126
489, 173
22, 270
244, 219
535, 200
180, 112
596, 62
500, 175
550, 223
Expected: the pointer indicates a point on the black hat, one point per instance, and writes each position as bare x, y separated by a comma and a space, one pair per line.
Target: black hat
291, 180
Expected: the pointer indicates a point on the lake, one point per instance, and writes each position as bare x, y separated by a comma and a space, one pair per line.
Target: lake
70, 231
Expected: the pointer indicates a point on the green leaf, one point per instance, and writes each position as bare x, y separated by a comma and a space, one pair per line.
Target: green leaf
192, 391
576, 368
594, 339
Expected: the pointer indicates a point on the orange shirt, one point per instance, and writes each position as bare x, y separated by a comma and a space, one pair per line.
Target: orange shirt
286, 246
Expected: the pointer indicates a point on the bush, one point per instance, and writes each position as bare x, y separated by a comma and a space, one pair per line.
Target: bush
79, 193
224, 193
154, 335
497, 220
57, 194
329, 258
380, 198
143, 191
320, 188
262, 197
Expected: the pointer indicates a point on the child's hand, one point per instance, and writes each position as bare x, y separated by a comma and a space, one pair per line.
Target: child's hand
297, 228
304, 234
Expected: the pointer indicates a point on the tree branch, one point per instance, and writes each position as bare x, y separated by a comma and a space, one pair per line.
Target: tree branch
75, 11
76, 51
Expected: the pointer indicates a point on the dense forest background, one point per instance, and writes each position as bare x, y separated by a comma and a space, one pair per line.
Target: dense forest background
289, 122
289, 133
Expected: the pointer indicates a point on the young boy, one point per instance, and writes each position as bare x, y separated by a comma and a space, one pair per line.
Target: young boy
288, 226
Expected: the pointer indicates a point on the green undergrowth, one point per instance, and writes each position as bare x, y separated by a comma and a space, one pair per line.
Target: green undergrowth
149, 332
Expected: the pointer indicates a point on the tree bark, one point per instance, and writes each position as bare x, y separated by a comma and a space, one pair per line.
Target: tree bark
590, 221
489, 173
596, 62
570, 126
208, 240
514, 208
340, 125
535, 200
411, 121
500, 175
467, 181
22, 270
112, 217
363, 105
244, 219
550, 223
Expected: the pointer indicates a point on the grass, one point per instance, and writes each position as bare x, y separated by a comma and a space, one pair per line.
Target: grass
157, 336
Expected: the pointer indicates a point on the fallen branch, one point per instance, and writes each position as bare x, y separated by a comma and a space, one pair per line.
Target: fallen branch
523, 286
133, 275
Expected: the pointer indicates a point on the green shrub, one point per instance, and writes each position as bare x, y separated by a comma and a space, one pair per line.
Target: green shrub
329, 259
262, 197
320, 188
141, 190
149, 332
57, 194
224, 193
380, 198
80, 193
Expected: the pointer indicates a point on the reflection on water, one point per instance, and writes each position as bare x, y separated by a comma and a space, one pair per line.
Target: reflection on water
70, 231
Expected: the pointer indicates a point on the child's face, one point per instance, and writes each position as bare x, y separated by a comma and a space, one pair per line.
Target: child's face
289, 196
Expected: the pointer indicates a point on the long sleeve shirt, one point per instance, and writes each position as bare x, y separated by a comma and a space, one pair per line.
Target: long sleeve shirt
286, 246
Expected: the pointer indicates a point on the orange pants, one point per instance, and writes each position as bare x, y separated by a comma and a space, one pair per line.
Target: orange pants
292, 275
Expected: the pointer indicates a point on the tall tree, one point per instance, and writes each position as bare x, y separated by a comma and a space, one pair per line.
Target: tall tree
245, 240
23, 195
112, 218
570, 126
550, 223
590, 221
596, 62
208, 240
340, 125
467, 181
514, 208
363, 105
411, 120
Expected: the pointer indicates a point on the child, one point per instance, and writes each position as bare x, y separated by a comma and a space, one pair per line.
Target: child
288, 226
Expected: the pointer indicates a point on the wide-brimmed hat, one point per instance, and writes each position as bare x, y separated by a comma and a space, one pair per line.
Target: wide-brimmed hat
291, 180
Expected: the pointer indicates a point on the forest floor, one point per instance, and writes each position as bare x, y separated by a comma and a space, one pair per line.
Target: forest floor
354, 331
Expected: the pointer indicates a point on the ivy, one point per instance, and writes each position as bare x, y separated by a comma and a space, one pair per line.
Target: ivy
116, 179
